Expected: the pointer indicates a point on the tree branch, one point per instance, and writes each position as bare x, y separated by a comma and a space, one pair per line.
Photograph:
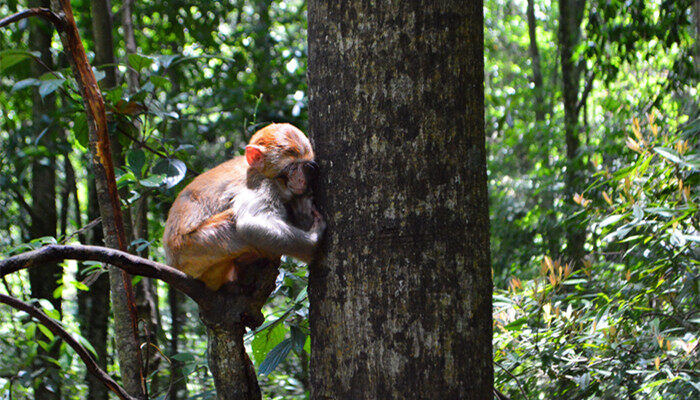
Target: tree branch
44, 13
586, 91
130, 263
58, 330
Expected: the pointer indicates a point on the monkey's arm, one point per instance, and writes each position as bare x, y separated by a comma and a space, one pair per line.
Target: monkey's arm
273, 235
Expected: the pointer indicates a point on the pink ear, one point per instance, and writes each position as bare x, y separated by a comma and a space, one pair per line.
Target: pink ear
254, 156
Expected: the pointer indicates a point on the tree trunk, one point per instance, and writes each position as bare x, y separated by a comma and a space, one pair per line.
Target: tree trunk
93, 306
107, 195
401, 301
43, 279
570, 18
146, 294
125, 337
547, 200
176, 300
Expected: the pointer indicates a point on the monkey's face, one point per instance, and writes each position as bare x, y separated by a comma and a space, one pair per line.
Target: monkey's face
297, 177
283, 154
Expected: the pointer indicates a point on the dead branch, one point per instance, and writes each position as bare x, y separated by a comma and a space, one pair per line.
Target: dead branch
82, 352
130, 263
44, 13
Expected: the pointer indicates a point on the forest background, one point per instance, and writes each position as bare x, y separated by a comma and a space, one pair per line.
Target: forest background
592, 120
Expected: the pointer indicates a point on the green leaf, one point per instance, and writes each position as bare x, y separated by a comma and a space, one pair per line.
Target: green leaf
265, 341
298, 338
24, 83
139, 62
275, 356
11, 57
136, 159
515, 325
160, 82
669, 154
30, 331
49, 86
152, 180
184, 358
610, 220
173, 169
86, 343
46, 332
80, 286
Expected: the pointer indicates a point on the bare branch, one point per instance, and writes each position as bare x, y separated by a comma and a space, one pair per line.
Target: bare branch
127, 262
58, 330
44, 13
586, 92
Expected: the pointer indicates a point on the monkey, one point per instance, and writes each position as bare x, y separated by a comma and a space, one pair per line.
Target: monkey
245, 209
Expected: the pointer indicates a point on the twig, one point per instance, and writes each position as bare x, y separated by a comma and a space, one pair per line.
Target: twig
44, 13
586, 91
57, 330
515, 378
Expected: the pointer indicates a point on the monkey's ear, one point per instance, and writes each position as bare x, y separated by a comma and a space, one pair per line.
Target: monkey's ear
254, 155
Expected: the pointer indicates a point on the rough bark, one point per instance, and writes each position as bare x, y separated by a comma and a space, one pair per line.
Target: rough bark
570, 18
540, 106
43, 281
178, 388
233, 372
401, 301
108, 198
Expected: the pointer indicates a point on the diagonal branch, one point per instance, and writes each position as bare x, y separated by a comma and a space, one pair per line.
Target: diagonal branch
586, 91
126, 262
58, 330
44, 13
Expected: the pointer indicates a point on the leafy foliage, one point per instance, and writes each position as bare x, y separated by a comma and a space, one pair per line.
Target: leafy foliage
627, 323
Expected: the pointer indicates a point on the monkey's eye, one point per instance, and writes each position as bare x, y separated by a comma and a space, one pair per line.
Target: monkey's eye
310, 169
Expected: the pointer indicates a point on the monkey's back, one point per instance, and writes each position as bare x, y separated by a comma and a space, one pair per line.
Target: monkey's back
209, 194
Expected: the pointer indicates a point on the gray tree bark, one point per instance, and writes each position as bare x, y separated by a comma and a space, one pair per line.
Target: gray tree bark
401, 300
93, 305
43, 280
126, 340
570, 18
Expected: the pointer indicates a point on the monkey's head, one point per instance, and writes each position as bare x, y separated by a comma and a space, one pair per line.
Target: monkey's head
282, 153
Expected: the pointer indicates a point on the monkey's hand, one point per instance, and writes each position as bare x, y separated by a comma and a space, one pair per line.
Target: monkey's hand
272, 235
301, 212
319, 225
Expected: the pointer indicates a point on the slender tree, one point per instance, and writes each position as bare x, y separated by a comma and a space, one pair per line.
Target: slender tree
540, 106
44, 280
401, 301
570, 18
125, 335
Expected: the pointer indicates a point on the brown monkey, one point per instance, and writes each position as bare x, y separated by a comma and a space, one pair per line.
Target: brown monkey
240, 211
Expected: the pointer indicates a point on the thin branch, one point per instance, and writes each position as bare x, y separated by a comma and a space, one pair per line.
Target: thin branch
130, 263
58, 330
44, 13
515, 378
23, 203
586, 91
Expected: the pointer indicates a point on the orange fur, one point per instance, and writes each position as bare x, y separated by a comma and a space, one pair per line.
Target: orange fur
200, 236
